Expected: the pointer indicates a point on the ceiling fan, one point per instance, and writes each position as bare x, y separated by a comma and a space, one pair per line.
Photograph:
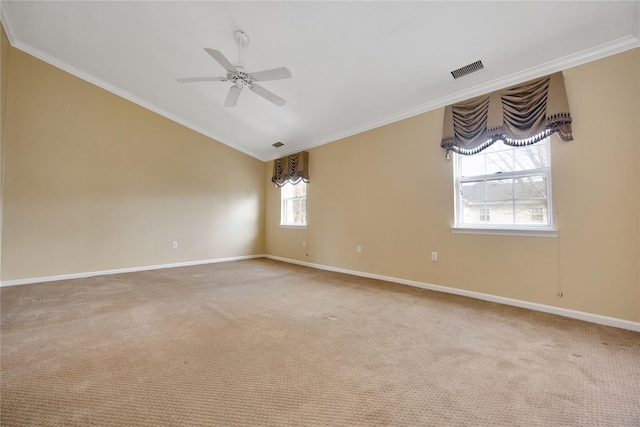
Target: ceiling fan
242, 77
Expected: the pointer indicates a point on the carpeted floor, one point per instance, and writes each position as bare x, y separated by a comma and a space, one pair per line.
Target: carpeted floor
260, 342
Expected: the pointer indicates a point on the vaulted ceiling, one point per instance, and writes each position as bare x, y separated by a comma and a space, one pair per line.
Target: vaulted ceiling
355, 65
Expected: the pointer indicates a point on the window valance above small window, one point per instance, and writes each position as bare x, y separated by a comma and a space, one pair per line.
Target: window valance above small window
519, 115
291, 169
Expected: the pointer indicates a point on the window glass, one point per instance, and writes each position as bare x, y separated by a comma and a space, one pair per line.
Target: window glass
504, 187
294, 204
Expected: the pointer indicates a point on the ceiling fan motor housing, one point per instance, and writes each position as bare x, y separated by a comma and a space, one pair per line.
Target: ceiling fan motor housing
240, 77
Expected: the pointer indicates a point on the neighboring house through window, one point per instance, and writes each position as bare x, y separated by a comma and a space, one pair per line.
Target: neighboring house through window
293, 210
504, 187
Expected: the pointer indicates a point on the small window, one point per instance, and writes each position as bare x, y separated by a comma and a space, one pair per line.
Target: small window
293, 210
504, 187
537, 214
485, 214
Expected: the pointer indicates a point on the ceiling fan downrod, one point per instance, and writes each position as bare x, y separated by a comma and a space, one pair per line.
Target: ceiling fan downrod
243, 40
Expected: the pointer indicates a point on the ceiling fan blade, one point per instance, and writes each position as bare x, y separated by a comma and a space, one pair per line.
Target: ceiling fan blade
202, 79
274, 74
232, 97
268, 95
221, 60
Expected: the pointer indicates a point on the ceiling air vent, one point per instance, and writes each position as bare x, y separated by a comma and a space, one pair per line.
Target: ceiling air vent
278, 144
467, 69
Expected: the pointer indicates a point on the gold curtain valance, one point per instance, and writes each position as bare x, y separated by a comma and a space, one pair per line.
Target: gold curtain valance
519, 115
291, 169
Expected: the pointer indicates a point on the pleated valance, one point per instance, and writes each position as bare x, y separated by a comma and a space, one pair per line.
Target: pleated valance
291, 169
519, 115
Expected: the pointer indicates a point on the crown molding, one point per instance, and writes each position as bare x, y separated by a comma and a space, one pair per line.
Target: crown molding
607, 49
636, 20
602, 51
128, 96
16, 42
7, 23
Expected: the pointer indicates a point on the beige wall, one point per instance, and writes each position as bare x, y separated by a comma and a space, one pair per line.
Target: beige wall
4, 75
390, 190
94, 182
4, 81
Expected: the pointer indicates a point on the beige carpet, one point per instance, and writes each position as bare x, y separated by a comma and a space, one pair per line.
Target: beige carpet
259, 342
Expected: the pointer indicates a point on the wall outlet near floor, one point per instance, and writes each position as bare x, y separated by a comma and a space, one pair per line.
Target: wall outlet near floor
174, 245
434, 256
304, 243
359, 249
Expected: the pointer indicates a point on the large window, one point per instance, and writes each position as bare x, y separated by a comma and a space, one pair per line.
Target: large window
504, 187
294, 205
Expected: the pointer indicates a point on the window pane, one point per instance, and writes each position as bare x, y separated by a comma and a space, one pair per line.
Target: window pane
472, 192
500, 160
287, 191
295, 211
531, 187
299, 211
502, 213
532, 157
299, 190
473, 165
531, 212
294, 204
500, 189
497, 213
471, 213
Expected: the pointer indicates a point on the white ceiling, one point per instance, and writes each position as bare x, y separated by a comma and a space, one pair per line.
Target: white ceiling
355, 65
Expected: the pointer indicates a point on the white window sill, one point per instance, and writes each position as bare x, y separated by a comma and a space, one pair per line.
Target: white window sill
301, 227
524, 232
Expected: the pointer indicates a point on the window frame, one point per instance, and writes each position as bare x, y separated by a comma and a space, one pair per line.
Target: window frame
545, 230
284, 200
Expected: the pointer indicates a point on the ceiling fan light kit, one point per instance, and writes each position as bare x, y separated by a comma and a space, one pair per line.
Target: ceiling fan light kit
242, 76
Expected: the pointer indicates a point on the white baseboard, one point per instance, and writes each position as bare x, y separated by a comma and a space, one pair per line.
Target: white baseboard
122, 270
580, 315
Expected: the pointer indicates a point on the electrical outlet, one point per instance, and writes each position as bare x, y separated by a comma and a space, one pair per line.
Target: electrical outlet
174, 245
359, 249
434, 256
304, 243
